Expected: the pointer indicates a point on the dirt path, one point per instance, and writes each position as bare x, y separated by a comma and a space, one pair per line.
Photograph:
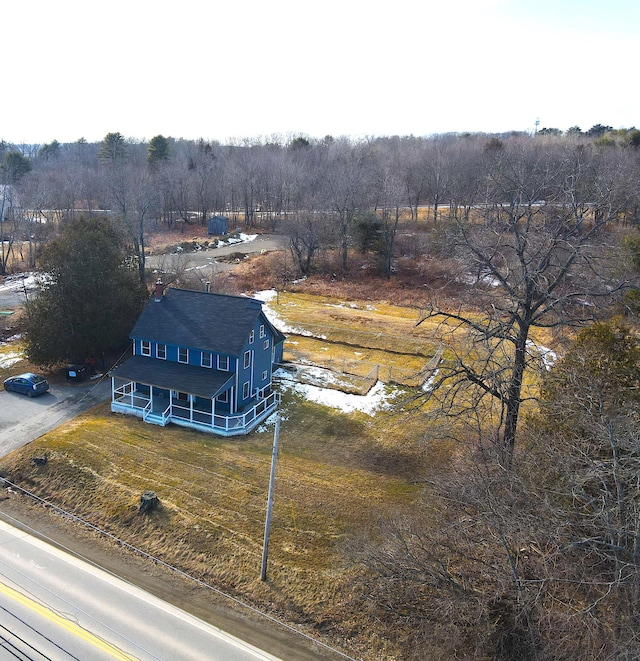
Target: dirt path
200, 258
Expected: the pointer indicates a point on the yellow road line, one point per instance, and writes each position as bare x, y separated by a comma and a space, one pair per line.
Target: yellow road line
71, 627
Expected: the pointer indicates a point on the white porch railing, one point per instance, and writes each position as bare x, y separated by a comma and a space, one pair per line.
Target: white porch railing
125, 399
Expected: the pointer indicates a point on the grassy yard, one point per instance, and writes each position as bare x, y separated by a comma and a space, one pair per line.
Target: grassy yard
337, 475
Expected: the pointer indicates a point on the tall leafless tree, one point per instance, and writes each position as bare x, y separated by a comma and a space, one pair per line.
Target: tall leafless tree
536, 256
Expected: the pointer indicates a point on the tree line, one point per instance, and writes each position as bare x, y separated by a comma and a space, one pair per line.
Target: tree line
336, 191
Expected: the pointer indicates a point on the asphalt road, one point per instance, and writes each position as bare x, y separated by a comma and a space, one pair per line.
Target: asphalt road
56, 606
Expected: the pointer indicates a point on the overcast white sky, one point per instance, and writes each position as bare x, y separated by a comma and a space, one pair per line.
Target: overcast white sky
247, 68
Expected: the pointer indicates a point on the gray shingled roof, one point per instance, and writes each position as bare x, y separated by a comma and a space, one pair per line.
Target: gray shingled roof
174, 376
200, 320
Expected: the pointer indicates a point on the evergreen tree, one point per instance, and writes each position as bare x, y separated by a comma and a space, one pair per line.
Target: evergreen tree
158, 150
14, 167
90, 295
113, 148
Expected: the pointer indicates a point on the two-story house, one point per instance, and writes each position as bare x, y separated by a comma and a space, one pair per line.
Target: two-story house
200, 360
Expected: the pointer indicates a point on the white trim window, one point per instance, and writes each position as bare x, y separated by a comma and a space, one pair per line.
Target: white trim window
223, 397
247, 359
206, 359
245, 390
265, 344
252, 335
264, 375
261, 330
161, 351
223, 363
183, 355
145, 348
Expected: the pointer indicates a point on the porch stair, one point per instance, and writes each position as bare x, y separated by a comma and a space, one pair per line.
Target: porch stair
156, 419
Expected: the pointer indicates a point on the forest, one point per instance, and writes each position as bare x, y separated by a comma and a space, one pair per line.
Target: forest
522, 253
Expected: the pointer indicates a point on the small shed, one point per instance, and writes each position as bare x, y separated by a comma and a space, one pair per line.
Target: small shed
218, 225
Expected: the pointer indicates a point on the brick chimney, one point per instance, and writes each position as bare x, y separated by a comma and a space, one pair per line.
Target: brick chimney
159, 291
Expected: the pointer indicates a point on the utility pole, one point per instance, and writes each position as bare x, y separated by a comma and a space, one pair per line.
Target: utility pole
272, 479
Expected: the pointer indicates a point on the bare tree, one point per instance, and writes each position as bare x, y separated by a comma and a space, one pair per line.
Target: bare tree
345, 188
536, 255
10, 217
308, 235
133, 196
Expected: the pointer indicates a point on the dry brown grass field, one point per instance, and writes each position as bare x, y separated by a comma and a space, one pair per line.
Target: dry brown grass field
337, 475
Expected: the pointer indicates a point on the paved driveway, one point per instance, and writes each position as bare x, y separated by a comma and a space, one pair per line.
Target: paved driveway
23, 419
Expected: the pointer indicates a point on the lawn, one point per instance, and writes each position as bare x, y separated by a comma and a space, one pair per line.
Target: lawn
338, 473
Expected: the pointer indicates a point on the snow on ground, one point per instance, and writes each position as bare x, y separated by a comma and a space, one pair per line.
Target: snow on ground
548, 356
350, 306
428, 384
19, 282
277, 321
240, 238
9, 358
378, 398
231, 241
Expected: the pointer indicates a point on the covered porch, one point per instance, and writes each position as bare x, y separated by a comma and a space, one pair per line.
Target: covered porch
185, 395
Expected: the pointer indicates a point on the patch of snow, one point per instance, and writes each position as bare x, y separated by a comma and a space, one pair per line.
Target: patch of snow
276, 320
271, 421
19, 282
548, 356
241, 238
351, 306
428, 384
10, 358
378, 398
481, 279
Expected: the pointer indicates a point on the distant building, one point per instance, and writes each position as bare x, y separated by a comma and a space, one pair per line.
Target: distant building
218, 226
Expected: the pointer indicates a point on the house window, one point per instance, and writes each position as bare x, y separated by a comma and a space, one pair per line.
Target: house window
206, 359
252, 334
261, 330
161, 351
266, 344
223, 397
183, 355
145, 348
264, 375
223, 363
245, 390
183, 396
247, 359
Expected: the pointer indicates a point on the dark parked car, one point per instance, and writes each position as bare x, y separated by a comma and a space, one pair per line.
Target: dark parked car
28, 384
